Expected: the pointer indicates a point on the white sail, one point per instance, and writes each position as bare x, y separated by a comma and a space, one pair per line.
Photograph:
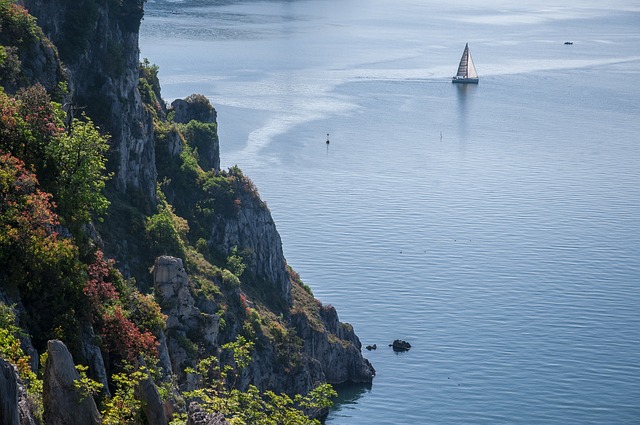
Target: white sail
466, 69
471, 68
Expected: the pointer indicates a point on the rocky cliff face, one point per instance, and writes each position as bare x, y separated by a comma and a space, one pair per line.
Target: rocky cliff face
101, 53
185, 321
329, 350
253, 231
298, 342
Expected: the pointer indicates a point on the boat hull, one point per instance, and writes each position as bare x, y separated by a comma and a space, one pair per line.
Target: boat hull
465, 80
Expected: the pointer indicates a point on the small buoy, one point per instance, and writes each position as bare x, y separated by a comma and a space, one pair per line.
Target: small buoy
327, 138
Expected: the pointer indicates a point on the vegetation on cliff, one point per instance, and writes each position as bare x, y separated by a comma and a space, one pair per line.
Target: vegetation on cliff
78, 250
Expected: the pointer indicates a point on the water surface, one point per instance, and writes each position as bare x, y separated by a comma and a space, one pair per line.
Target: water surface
496, 227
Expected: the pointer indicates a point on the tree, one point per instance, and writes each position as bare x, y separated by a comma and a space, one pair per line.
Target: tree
79, 156
218, 393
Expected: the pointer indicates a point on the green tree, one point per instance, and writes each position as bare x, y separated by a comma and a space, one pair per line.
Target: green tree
218, 393
79, 157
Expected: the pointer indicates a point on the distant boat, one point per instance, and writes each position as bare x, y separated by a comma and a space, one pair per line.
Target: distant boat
568, 42
466, 70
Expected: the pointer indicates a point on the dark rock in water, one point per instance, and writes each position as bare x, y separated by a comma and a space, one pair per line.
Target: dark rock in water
400, 345
372, 347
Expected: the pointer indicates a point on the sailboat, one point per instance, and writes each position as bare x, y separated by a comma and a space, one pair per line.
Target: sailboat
466, 70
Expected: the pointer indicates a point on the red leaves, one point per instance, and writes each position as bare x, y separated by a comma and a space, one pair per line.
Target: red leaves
26, 212
122, 336
97, 288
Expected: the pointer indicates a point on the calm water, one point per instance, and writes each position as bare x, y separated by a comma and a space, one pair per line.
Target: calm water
495, 227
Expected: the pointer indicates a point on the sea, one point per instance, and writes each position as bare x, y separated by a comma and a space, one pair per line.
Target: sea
495, 227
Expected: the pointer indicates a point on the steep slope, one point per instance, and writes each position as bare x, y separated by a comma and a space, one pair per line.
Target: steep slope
98, 42
218, 269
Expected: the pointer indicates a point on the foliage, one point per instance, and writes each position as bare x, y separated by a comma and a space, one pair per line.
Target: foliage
149, 87
123, 337
44, 266
17, 24
79, 155
165, 232
98, 288
11, 350
85, 386
203, 137
235, 262
217, 392
69, 161
123, 407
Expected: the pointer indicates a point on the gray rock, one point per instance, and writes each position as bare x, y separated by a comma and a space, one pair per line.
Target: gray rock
253, 231
185, 111
183, 317
93, 356
337, 348
14, 403
107, 69
152, 407
63, 405
197, 416
9, 409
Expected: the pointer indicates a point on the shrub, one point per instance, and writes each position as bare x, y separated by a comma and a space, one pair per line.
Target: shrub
122, 336
165, 232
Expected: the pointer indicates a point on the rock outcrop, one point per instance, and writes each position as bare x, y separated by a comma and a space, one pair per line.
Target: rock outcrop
197, 416
188, 109
9, 410
93, 356
147, 392
336, 347
185, 322
253, 231
63, 405
29, 58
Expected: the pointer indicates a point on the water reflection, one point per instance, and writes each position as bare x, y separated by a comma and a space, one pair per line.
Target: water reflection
464, 94
349, 394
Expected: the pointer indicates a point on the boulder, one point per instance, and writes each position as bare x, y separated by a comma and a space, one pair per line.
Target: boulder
63, 404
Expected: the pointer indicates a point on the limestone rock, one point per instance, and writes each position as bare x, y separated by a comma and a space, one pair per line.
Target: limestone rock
197, 416
93, 356
184, 319
62, 403
253, 231
103, 78
195, 107
147, 392
9, 410
337, 348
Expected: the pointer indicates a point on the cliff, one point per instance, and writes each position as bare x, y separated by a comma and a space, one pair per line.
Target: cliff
98, 43
218, 273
